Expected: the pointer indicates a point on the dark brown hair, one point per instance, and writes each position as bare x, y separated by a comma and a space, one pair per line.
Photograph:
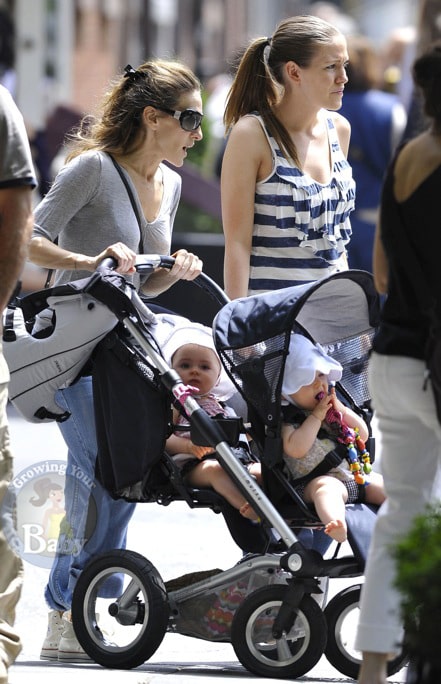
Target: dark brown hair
117, 128
259, 81
43, 487
427, 76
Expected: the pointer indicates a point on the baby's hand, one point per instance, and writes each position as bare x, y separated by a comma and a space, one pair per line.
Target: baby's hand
336, 403
201, 451
322, 407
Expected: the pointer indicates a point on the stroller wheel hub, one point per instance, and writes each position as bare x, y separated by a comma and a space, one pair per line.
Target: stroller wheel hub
130, 615
295, 562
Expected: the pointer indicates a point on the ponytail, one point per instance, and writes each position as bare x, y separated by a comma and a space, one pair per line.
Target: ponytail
259, 80
253, 89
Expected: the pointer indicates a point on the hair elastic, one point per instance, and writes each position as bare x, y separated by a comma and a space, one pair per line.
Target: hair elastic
130, 73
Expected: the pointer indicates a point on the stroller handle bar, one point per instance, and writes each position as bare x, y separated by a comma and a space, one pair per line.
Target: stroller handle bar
146, 263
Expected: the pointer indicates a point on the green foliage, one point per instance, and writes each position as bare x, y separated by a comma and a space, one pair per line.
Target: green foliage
418, 578
189, 219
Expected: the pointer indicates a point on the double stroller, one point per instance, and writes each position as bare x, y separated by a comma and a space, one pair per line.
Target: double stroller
268, 606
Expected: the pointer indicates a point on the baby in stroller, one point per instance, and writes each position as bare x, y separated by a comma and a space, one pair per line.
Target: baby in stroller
199, 366
313, 420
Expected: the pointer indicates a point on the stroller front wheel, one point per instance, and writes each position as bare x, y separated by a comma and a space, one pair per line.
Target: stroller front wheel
119, 609
342, 614
297, 652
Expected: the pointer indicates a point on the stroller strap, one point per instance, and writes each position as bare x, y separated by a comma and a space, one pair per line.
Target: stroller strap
332, 460
292, 414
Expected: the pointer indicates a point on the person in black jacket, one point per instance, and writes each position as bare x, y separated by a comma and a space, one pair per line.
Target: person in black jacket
403, 401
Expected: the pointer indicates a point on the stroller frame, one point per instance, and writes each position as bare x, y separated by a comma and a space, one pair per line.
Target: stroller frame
276, 628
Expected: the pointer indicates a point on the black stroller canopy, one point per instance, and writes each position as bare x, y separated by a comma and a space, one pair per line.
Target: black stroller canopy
343, 305
252, 335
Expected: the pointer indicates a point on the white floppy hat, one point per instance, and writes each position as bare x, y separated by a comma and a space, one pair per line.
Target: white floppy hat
174, 331
303, 361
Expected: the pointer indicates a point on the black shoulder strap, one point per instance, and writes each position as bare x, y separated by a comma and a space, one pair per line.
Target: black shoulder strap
331, 460
50, 271
292, 414
132, 202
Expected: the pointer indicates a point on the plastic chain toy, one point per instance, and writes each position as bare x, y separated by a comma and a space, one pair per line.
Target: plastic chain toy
358, 457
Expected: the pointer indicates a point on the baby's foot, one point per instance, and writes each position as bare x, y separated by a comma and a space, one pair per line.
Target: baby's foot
249, 512
336, 530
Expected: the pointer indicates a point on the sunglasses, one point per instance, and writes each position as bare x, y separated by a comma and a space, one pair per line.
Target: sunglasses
189, 119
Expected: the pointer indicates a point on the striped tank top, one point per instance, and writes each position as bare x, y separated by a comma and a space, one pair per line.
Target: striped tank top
301, 226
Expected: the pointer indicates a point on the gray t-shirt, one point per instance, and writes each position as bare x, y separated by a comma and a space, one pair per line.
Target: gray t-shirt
88, 209
16, 168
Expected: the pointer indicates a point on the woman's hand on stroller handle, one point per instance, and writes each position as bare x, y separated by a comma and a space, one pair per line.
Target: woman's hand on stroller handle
144, 263
189, 265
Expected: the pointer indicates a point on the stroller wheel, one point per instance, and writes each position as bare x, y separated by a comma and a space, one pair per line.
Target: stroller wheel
342, 614
255, 646
120, 609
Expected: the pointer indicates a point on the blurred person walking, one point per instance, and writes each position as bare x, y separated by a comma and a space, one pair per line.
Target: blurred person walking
402, 398
377, 123
17, 179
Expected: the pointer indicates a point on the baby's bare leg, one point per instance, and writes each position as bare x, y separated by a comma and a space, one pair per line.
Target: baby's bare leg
211, 474
329, 496
375, 489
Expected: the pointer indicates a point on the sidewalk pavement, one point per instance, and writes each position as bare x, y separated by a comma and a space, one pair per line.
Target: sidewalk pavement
174, 663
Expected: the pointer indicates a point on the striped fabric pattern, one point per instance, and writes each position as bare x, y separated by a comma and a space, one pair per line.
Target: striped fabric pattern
301, 227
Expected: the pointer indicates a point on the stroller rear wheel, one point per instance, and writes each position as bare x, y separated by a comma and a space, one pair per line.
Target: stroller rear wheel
342, 614
125, 630
255, 646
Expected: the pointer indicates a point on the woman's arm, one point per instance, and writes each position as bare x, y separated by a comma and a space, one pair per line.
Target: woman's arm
380, 263
47, 254
242, 161
75, 187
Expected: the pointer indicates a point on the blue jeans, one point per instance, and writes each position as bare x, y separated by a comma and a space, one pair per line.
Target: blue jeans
94, 522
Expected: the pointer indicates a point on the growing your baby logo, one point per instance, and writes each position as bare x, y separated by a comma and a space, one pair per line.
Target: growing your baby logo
33, 513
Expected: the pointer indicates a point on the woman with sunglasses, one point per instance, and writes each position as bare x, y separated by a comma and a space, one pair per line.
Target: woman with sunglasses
286, 186
150, 115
